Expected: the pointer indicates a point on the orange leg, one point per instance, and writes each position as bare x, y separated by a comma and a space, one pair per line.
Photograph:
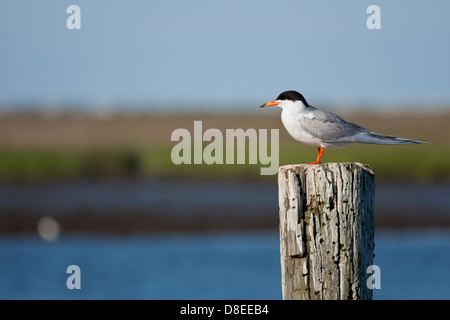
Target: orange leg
319, 155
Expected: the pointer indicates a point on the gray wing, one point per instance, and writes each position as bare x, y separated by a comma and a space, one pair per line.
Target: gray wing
327, 126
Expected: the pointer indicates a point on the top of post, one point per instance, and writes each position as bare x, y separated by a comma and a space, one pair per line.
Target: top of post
296, 168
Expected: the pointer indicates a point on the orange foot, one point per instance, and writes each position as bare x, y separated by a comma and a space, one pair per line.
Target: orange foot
319, 155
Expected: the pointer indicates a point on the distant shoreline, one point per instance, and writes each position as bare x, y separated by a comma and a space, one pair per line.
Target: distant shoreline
71, 147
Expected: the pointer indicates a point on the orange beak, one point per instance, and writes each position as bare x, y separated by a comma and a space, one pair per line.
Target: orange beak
270, 103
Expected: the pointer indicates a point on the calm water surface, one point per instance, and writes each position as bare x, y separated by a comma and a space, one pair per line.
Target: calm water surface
414, 265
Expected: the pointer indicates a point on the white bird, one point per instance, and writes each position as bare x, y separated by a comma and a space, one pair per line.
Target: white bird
323, 129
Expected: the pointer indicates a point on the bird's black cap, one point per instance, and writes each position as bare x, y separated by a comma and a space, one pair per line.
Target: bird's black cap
293, 96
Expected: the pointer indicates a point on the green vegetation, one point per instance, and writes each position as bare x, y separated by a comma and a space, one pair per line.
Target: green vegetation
424, 163
82, 146
32, 165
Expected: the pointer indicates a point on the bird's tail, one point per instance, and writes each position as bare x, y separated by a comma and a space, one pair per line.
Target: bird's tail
376, 138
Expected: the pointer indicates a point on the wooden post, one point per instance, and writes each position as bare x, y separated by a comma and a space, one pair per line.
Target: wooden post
326, 230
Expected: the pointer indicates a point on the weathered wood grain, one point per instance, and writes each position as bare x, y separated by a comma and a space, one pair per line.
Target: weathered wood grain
326, 230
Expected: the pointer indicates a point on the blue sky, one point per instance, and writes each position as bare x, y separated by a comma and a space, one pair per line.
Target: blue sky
233, 53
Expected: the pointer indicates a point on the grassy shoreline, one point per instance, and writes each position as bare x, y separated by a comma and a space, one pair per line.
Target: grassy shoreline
425, 163
75, 146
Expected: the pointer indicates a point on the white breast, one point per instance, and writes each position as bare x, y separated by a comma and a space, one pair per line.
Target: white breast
290, 118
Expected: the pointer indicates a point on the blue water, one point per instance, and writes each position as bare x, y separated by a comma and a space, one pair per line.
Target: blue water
414, 265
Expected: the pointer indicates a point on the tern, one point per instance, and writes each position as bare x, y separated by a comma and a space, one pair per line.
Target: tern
323, 129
